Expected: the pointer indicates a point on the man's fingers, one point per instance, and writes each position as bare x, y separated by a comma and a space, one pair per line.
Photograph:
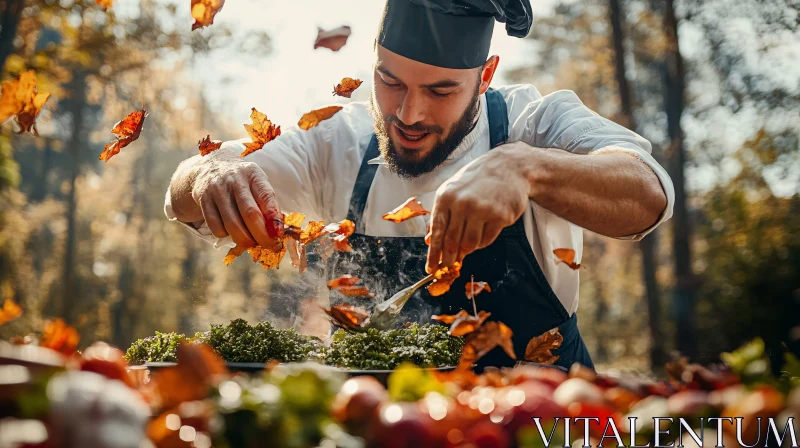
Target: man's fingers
491, 231
253, 217
452, 239
212, 217
471, 240
438, 227
234, 224
268, 203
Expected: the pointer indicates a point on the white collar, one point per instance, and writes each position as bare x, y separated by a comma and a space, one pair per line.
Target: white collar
465, 145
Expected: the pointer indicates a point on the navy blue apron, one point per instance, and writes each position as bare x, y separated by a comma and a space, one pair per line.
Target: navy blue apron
521, 297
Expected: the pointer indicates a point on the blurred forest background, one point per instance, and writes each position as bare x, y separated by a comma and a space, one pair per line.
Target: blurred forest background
89, 241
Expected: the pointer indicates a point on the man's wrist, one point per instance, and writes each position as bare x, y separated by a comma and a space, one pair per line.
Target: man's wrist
531, 164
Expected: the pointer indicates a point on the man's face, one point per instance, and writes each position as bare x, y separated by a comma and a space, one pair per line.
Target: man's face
421, 112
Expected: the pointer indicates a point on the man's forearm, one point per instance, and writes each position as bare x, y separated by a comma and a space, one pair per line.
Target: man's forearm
613, 194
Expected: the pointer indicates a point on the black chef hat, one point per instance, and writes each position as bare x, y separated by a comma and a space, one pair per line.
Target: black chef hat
449, 33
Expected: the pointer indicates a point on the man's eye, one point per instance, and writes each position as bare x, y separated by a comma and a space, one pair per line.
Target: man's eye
386, 83
440, 95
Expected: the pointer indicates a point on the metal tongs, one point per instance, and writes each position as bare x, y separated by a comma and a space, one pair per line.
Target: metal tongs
386, 312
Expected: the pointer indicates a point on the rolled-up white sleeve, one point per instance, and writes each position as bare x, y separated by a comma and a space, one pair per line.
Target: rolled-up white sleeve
561, 120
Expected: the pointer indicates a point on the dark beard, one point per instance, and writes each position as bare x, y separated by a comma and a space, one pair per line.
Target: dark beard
410, 169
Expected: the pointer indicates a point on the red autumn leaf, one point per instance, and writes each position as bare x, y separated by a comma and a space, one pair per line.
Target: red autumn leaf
126, 131
483, 340
60, 337
540, 347
20, 99
566, 256
346, 87
347, 316
199, 369
345, 280
409, 209
207, 146
443, 278
334, 39
463, 323
10, 311
475, 288
261, 132
203, 12
311, 119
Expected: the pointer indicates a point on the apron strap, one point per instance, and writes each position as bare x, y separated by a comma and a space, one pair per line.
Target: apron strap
498, 134
358, 199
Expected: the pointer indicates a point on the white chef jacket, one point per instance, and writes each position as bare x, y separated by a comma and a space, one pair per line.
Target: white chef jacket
314, 171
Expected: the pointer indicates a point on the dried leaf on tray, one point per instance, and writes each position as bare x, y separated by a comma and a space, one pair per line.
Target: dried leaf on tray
566, 256
10, 311
346, 87
203, 12
407, 210
261, 132
540, 347
443, 279
126, 131
311, 119
347, 316
207, 146
334, 39
20, 99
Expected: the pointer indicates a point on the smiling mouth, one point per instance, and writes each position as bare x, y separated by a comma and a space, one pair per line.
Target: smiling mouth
409, 138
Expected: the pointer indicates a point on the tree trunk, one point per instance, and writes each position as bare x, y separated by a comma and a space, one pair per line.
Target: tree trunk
685, 284
77, 105
647, 245
10, 11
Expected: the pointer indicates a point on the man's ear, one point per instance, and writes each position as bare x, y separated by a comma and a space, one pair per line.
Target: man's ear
487, 73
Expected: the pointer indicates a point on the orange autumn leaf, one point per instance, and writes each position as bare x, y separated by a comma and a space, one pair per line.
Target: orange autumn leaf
293, 219
340, 232
313, 230
475, 288
355, 291
203, 12
407, 210
19, 98
60, 337
268, 258
261, 132
105, 4
207, 146
126, 131
199, 369
463, 323
566, 256
347, 316
345, 280
346, 87
334, 39
540, 347
233, 253
443, 278
483, 340
10, 311
311, 119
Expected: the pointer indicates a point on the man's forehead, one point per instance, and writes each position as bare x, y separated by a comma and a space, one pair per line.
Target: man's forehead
413, 72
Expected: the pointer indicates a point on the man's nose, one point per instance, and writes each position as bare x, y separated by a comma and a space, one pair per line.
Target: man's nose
412, 109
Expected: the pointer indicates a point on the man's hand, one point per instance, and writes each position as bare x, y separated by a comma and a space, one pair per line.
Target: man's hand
473, 206
231, 195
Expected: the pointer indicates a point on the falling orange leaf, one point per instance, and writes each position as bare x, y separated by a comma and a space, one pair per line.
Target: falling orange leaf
207, 146
268, 258
60, 337
20, 99
126, 131
311, 119
443, 278
347, 316
483, 340
203, 12
346, 87
10, 311
475, 288
540, 347
463, 323
313, 230
566, 256
346, 285
199, 368
261, 132
105, 4
334, 39
345, 280
407, 210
